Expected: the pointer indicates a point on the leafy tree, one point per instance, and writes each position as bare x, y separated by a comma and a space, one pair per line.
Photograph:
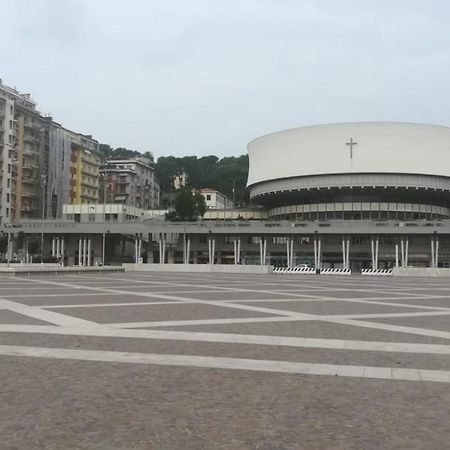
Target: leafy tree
189, 205
227, 175
108, 152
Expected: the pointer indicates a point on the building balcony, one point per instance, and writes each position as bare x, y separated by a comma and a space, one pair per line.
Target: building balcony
30, 165
29, 194
90, 184
29, 180
30, 138
30, 151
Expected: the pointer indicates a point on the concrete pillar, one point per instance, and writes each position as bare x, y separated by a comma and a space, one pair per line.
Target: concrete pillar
186, 249
63, 244
376, 254
211, 249
53, 246
396, 255
316, 264
80, 251
319, 253
344, 253
288, 252
88, 255
406, 252
433, 262
292, 252
402, 252
262, 250
436, 251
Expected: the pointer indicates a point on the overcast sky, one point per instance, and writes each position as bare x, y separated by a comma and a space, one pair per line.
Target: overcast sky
206, 76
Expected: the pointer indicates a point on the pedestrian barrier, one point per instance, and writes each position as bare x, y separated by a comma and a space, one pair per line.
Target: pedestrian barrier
336, 271
306, 270
376, 272
311, 270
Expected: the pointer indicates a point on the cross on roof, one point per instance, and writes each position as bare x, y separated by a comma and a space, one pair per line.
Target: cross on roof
351, 144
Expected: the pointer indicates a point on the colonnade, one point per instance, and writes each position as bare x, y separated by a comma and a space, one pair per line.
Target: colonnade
84, 251
58, 247
168, 243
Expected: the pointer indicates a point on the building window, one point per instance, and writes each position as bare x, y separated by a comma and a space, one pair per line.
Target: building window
208, 196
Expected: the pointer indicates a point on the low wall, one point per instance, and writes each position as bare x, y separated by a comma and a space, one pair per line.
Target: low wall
26, 265
203, 268
420, 272
28, 269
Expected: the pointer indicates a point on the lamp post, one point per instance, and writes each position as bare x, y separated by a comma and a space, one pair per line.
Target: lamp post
104, 218
43, 184
8, 248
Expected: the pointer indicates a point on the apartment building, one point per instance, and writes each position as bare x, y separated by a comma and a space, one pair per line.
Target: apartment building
42, 164
84, 169
131, 182
21, 150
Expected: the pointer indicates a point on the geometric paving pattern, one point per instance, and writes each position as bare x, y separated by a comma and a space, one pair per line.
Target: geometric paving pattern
303, 345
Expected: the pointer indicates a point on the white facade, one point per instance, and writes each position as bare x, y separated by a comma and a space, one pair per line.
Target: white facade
324, 149
215, 200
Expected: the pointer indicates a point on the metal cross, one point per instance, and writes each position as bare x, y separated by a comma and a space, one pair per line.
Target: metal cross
351, 144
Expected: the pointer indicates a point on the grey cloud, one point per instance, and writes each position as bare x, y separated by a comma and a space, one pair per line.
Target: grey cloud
207, 76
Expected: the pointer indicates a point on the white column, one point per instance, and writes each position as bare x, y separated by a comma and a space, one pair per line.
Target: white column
402, 252
213, 250
235, 251
239, 250
163, 248
436, 251
406, 251
347, 256
53, 246
372, 246
319, 255
209, 249
188, 249
376, 254
135, 250
264, 251
62, 250
288, 252
315, 254
80, 246
396, 255
433, 262
160, 249
344, 253
88, 255
84, 252
292, 252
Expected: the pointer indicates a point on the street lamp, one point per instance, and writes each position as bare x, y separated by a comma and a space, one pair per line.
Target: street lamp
8, 248
104, 217
43, 184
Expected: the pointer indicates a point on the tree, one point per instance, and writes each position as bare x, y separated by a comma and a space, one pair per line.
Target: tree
227, 175
107, 152
189, 205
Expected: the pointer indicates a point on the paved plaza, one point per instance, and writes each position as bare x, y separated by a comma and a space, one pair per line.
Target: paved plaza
209, 361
